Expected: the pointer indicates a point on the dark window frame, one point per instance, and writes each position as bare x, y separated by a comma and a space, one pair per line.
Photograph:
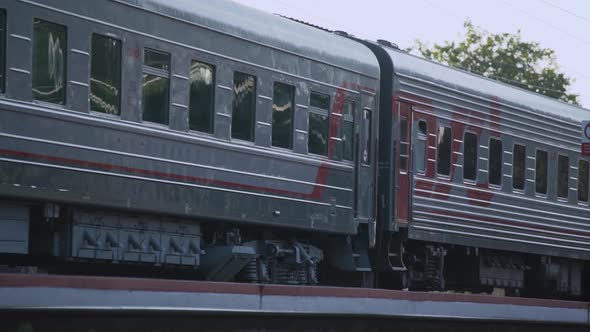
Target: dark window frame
524, 168
119, 99
328, 96
538, 193
348, 120
157, 72
558, 178
211, 106
366, 137
422, 139
501, 171
476, 170
290, 141
3, 43
64, 99
581, 201
253, 108
404, 142
438, 152
322, 112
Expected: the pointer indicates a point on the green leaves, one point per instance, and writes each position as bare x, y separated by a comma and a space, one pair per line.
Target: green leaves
504, 57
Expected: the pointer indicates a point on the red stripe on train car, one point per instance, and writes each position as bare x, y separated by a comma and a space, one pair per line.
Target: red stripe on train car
506, 222
316, 193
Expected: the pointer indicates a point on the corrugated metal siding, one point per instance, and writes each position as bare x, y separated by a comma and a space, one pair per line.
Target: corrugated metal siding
407, 65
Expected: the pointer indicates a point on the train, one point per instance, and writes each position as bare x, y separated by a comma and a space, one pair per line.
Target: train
219, 142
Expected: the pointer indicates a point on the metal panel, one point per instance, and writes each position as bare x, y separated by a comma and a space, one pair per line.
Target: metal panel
119, 162
109, 237
14, 229
483, 89
253, 25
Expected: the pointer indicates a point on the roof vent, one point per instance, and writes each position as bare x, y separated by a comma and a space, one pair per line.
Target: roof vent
342, 33
387, 43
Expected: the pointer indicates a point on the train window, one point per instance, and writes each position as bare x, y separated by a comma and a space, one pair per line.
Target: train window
470, 146
49, 62
244, 107
541, 166
156, 59
420, 148
583, 181
495, 162
2, 48
202, 97
156, 77
366, 137
563, 167
319, 100
444, 148
283, 101
317, 142
347, 131
518, 166
403, 144
105, 75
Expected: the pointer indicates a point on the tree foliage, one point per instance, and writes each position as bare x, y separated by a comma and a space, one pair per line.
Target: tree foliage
504, 57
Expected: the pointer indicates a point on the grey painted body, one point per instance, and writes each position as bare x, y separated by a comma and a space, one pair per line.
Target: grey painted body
453, 210
67, 154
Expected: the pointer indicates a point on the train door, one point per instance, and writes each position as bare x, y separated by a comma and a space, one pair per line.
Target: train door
365, 161
403, 183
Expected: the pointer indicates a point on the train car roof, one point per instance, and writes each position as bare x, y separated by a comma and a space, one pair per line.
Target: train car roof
456, 79
254, 25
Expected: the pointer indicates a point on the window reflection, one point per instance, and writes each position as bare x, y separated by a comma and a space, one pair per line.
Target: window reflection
347, 130
583, 181
495, 162
155, 86
563, 167
470, 146
202, 91
49, 62
283, 101
518, 167
366, 137
420, 153
156, 59
541, 172
403, 145
155, 99
244, 107
2, 49
105, 78
443, 160
318, 134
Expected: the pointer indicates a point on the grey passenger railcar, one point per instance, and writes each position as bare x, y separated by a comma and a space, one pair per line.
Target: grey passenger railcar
188, 135
182, 133
485, 182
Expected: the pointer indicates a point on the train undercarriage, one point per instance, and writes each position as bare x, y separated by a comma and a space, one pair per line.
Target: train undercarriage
69, 239
444, 267
60, 239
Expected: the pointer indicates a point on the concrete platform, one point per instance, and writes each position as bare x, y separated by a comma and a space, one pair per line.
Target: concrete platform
54, 292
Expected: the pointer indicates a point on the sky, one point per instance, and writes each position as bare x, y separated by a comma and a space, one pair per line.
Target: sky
562, 25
